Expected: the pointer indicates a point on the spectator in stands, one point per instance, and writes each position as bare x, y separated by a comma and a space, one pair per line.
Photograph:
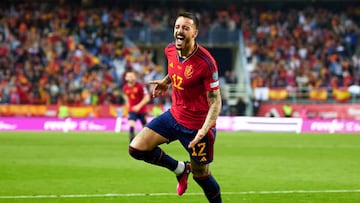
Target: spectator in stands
240, 108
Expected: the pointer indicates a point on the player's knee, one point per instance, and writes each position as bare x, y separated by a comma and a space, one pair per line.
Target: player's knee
199, 173
136, 154
200, 170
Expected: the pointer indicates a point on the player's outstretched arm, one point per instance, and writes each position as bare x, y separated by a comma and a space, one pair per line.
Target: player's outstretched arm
161, 86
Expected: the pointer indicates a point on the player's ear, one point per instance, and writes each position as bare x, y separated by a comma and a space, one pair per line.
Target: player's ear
195, 33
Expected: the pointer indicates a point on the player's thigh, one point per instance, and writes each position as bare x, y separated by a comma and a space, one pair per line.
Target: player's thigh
203, 151
199, 170
147, 139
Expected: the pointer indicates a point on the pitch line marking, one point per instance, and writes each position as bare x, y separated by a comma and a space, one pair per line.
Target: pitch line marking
171, 194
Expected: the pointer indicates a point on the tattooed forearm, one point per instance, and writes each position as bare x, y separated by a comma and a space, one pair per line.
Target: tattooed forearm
214, 110
167, 79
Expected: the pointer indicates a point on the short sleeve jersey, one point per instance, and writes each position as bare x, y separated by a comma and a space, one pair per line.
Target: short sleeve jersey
191, 81
135, 94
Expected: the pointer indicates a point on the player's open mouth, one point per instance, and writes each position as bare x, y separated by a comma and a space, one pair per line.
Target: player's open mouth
179, 39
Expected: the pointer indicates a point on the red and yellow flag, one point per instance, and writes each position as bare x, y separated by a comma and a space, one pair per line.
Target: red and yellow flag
341, 94
278, 94
318, 94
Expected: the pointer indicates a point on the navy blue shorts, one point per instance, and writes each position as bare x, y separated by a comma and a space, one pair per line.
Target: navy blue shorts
168, 127
134, 116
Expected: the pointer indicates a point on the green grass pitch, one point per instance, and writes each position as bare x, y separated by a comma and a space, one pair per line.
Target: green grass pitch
250, 167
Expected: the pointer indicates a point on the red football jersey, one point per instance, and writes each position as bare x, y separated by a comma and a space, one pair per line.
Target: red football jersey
135, 94
191, 80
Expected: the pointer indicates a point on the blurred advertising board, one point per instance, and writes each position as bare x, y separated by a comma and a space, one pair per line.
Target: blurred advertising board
315, 111
54, 111
235, 124
331, 126
65, 125
312, 111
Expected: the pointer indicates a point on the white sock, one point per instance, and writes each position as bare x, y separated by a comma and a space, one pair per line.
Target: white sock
180, 168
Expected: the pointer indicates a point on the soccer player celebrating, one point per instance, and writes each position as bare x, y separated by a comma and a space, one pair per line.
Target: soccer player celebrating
196, 104
136, 98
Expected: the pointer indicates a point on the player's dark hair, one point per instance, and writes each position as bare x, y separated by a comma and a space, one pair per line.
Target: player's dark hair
190, 15
131, 71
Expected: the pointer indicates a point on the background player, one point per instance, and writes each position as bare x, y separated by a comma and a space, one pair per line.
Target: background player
136, 98
196, 104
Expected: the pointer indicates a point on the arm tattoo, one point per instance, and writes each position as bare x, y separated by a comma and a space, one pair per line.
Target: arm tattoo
214, 110
167, 79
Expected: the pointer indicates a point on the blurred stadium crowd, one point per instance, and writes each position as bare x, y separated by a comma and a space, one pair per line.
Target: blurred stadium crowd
59, 54
309, 48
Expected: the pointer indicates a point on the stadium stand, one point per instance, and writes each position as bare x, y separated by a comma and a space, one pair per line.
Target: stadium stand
307, 54
76, 55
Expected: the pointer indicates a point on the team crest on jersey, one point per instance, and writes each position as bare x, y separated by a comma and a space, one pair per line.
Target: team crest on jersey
188, 71
179, 67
